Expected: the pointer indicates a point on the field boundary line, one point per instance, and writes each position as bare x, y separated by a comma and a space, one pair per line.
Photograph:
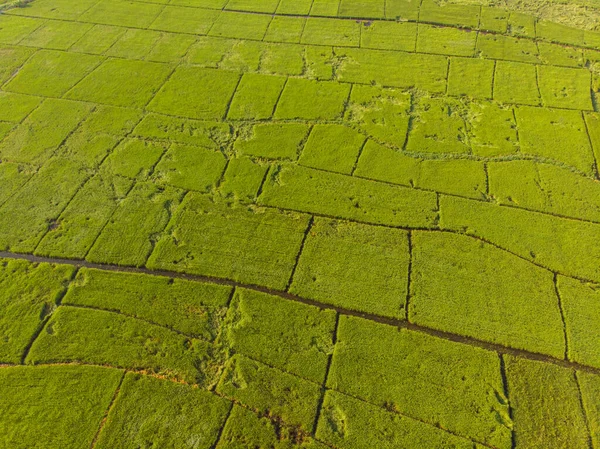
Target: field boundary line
562, 315
399, 323
107, 411
590, 440
505, 387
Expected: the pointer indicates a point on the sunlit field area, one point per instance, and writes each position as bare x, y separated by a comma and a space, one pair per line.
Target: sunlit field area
299, 224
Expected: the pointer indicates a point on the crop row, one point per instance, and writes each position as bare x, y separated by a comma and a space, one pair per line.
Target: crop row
374, 381
198, 16
171, 38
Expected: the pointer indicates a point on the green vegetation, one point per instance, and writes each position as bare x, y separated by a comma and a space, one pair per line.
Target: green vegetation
455, 287
332, 148
542, 397
354, 266
190, 307
579, 301
260, 245
294, 337
299, 224
313, 191
270, 392
150, 411
54, 406
106, 338
274, 141
29, 294
407, 372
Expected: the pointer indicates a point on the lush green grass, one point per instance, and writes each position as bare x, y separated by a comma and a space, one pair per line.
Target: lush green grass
365, 217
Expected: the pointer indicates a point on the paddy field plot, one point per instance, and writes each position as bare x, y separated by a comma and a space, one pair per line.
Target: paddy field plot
310, 224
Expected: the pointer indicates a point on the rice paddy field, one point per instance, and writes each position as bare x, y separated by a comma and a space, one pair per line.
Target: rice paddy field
299, 224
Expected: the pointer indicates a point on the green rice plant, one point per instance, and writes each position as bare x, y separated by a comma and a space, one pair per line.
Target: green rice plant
270, 392
516, 82
333, 148
134, 158
237, 242
29, 293
384, 35
339, 33
98, 337
408, 372
98, 39
325, 8
56, 9
56, 35
286, 29
26, 216
307, 190
11, 58
589, 385
349, 423
459, 285
242, 179
354, 266
190, 168
245, 429
545, 188
557, 32
492, 129
134, 44
493, 19
150, 411
196, 93
296, 7
126, 13
520, 24
536, 237
362, 8
439, 127
296, 338
591, 39
402, 9
243, 56
240, 25
38, 136
192, 132
5, 128
545, 404
115, 121
453, 176
274, 141
194, 308
497, 46
54, 406
185, 20
171, 47
319, 62
209, 51
16, 107
129, 236
393, 69
312, 100
268, 6
14, 29
445, 41
120, 82
12, 177
52, 73
580, 301
554, 54
381, 113
563, 87
255, 97
283, 59
555, 134
464, 16
471, 77
75, 230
